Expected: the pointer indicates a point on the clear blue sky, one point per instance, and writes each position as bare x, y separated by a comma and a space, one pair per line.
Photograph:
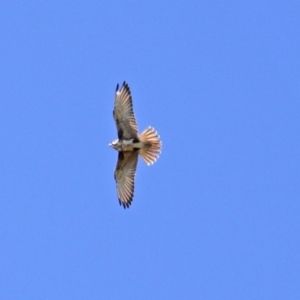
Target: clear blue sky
217, 216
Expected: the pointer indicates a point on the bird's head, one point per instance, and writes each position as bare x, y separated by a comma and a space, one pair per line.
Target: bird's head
114, 144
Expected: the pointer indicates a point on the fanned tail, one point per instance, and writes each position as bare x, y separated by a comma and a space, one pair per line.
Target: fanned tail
152, 145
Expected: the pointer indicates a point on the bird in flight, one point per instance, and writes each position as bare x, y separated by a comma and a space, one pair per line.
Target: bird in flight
130, 145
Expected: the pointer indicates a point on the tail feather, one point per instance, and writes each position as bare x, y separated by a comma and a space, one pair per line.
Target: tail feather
152, 149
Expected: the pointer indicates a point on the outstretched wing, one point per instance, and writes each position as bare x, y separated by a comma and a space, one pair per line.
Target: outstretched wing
123, 113
124, 176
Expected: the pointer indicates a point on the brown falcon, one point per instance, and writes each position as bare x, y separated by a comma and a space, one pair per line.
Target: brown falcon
130, 145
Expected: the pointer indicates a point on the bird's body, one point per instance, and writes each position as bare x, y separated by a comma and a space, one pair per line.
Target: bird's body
130, 145
127, 145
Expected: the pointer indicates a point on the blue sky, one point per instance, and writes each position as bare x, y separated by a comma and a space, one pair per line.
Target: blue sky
217, 216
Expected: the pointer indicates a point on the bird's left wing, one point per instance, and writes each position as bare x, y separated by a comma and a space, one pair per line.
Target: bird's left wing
124, 176
123, 113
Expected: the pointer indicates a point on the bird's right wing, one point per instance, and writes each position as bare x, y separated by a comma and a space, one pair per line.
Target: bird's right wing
123, 113
124, 176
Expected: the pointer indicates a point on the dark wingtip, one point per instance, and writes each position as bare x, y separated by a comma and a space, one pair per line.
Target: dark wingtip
124, 204
126, 87
125, 84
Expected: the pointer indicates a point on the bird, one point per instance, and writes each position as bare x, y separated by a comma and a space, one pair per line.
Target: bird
130, 145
